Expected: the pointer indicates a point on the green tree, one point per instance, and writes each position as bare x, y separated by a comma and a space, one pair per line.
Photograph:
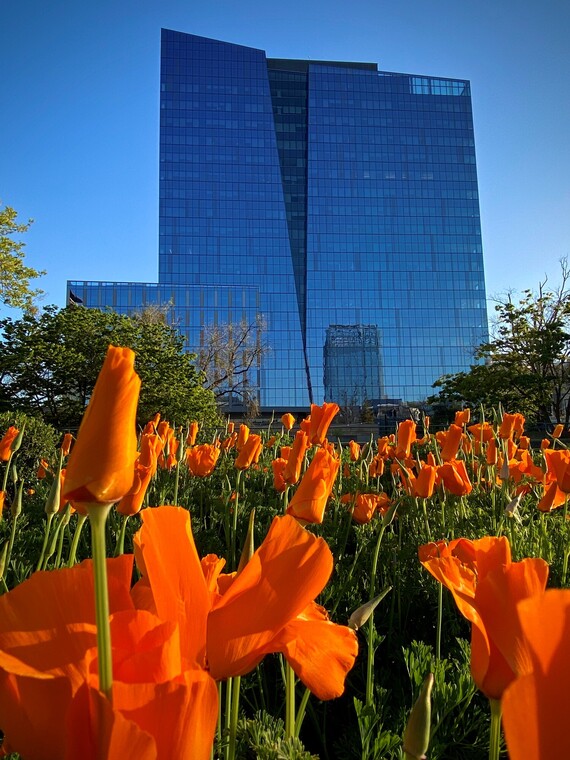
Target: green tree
526, 364
15, 276
49, 364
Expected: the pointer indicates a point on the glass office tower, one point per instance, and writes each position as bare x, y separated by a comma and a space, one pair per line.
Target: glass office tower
335, 203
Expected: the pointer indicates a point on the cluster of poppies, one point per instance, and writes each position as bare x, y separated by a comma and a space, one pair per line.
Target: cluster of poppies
183, 626
519, 638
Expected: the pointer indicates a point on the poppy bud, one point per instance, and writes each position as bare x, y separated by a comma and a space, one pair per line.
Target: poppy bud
416, 735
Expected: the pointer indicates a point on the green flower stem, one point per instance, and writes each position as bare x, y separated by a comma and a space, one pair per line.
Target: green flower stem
495, 730
439, 621
301, 712
234, 717
235, 522
10, 545
98, 514
5, 479
228, 716
120, 548
76, 536
53, 541
289, 702
177, 473
371, 646
62, 527
426, 521
45, 543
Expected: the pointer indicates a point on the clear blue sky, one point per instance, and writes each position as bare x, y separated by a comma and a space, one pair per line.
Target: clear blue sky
79, 114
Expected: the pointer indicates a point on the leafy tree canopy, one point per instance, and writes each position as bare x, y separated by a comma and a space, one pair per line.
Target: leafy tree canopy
15, 276
526, 363
49, 364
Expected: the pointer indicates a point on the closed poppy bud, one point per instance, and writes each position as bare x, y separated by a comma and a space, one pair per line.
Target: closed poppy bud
202, 459
361, 615
249, 453
270, 442
66, 444
292, 471
321, 418
354, 449
287, 421
100, 468
524, 443
6, 443
242, 437
285, 451
557, 432
2, 500
310, 498
305, 425
192, 433
416, 735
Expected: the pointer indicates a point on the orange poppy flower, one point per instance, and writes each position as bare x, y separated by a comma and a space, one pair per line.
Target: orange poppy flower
482, 432
43, 469
354, 449
66, 444
462, 417
453, 437
321, 418
454, 477
366, 505
310, 498
202, 459
558, 467
145, 468
535, 706
424, 483
192, 434
278, 465
48, 674
287, 420
6, 443
295, 458
508, 426
232, 622
376, 469
406, 436
243, 435
249, 452
101, 465
492, 453
552, 498
305, 424
486, 587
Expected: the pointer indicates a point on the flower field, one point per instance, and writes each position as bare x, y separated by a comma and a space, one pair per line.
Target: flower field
275, 594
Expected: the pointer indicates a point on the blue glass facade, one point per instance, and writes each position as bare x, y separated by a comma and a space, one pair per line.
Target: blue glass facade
337, 201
